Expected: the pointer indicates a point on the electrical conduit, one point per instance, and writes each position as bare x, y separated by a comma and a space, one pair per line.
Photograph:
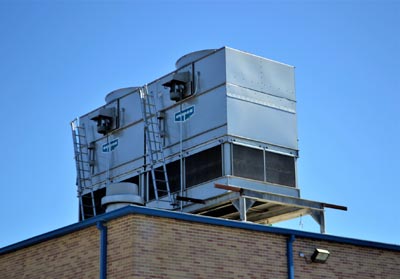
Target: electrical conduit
103, 249
289, 253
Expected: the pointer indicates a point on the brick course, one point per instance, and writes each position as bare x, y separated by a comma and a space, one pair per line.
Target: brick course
75, 255
141, 246
346, 261
167, 248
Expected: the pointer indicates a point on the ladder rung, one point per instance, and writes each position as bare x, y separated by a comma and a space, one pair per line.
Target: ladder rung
87, 206
84, 170
158, 171
154, 139
84, 179
82, 162
153, 148
82, 153
154, 132
81, 144
155, 159
155, 143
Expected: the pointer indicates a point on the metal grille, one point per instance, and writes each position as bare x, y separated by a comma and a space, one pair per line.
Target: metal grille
203, 166
277, 168
174, 177
248, 162
280, 169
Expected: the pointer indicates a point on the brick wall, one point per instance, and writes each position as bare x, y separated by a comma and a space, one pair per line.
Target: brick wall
75, 255
141, 246
166, 248
346, 261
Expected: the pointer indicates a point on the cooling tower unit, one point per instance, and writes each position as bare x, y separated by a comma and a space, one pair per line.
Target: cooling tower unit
217, 137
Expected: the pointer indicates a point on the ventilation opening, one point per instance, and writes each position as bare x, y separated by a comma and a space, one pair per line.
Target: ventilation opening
280, 169
203, 166
261, 165
248, 162
198, 168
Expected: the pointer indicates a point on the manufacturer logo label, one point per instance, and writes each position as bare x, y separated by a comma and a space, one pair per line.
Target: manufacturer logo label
110, 146
185, 114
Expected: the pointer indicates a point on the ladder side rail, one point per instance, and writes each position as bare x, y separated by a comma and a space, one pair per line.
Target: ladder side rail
147, 134
151, 115
86, 169
78, 160
82, 165
157, 141
77, 152
152, 163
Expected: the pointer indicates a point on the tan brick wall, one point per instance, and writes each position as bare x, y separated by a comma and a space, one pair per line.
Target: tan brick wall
345, 261
75, 255
167, 248
153, 247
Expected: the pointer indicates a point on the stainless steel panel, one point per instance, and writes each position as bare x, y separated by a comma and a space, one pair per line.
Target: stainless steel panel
211, 71
126, 145
257, 97
260, 74
262, 123
209, 114
130, 110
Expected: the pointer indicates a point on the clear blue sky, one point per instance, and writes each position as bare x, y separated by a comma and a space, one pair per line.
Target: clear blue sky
58, 59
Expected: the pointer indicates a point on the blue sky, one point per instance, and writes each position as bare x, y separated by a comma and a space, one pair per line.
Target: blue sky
58, 59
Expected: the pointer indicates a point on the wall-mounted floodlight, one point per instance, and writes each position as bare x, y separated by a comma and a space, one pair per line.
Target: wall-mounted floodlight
320, 255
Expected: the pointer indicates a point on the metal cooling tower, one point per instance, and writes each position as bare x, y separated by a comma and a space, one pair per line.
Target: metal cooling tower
217, 136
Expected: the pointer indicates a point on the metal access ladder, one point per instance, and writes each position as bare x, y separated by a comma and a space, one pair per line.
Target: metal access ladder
154, 145
82, 151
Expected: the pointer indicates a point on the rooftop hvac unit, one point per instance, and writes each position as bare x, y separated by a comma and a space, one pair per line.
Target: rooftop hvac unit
217, 137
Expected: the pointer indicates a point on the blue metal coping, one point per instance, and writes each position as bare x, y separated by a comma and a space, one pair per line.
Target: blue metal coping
192, 218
